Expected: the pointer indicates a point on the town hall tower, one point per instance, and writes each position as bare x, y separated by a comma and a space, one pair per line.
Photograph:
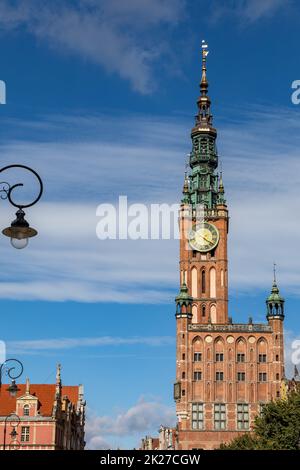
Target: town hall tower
225, 371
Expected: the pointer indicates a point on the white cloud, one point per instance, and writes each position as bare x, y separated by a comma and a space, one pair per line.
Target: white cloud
67, 262
248, 11
123, 37
28, 346
103, 432
256, 9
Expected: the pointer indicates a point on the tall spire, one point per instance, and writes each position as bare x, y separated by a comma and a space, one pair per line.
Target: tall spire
204, 116
204, 187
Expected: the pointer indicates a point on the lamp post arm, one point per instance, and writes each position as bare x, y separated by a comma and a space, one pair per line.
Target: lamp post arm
8, 190
14, 418
10, 370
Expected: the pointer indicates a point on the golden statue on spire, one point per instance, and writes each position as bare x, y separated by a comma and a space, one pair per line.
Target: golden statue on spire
204, 83
205, 50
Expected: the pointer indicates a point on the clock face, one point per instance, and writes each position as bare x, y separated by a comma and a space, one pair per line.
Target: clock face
204, 237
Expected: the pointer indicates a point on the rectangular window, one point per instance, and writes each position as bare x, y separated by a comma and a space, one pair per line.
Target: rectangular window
262, 377
219, 376
24, 433
197, 375
220, 416
240, 357
262, 358
242, 416
197, 416
197, 357
219, 357
241, 376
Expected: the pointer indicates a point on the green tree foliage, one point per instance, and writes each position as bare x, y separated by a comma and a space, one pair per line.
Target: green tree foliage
277, 428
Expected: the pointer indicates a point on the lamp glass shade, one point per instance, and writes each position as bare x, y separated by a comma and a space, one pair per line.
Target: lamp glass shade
19, 243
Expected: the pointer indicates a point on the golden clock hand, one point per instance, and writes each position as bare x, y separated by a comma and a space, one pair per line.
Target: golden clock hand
206, 239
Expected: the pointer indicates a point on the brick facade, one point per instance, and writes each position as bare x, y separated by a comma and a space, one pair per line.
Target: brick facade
225, 371
51, 417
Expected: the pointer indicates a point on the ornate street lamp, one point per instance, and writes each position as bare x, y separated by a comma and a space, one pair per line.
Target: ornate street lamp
19, 231
14, 372
14, 421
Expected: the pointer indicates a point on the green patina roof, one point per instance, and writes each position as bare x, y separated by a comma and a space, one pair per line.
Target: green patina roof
183, 296
203, 185
275, 295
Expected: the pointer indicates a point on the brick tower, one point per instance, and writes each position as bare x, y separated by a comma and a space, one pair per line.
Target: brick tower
225, 371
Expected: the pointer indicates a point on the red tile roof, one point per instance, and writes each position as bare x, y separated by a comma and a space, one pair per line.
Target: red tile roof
44, 392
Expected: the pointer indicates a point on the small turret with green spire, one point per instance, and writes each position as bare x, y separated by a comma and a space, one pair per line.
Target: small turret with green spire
275, 303
186, 190
184, 300
221, 193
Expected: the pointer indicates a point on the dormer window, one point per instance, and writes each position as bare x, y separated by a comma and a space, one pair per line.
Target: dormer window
26, 410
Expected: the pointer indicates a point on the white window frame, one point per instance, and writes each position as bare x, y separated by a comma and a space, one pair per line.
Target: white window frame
197, 416
220, 418
242, 416
25, 433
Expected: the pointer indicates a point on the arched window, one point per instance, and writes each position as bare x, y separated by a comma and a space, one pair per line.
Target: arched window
194, 313
203, 311
212, 282
203, 287
26, 410
194, 283
213, 314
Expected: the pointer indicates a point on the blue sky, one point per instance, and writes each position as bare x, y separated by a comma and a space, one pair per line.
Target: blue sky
100, 101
